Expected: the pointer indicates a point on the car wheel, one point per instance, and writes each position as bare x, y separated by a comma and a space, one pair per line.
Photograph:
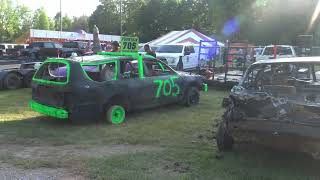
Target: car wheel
223, 138
12, 81
116, 114
192, 96
28, 79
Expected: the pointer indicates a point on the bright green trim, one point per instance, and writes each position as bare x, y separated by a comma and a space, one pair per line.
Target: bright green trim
100, 63
125, 41
118, 115
174, 89
53, 60
159, 82
161, 66
176, 86
129, 54
49, 111
205, 87
140, 67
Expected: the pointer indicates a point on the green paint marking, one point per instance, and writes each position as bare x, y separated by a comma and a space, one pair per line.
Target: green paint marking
129, 44
49, 111
205, 87
53, 60
174, 89
160, 83
165, 92
175, 86
134, 55
117, 115
140, 67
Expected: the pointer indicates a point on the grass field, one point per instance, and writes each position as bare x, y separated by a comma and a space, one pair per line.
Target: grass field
172, 142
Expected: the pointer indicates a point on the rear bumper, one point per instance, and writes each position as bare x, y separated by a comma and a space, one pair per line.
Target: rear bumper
49, 111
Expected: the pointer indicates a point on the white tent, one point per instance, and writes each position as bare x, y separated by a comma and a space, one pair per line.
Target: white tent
46, 34
209, 48
190, 36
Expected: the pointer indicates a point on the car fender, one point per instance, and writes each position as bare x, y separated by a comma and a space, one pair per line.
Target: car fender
2, 75
190, 81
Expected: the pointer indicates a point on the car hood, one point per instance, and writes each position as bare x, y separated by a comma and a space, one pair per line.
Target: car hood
69, 49
170, 55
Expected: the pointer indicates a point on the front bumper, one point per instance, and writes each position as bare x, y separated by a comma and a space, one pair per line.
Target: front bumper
49, 111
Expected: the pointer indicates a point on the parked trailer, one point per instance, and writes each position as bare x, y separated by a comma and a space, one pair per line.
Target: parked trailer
18, 75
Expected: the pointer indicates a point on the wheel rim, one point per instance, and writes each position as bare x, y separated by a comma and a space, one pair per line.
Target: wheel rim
117, 115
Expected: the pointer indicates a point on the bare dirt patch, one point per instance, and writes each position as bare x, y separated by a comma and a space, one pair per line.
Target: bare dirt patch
11, 172
56, 162
39, 152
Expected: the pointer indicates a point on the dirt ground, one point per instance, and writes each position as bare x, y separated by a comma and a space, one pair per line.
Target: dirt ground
27, 154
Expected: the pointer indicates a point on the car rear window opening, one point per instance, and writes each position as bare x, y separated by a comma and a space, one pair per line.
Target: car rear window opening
101, 72
52, 72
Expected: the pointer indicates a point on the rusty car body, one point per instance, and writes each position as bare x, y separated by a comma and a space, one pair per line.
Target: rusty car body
277, 103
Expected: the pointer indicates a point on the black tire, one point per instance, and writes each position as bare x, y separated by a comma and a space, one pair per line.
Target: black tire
115, 114
192, 96
224, 140
12, 81
28, 79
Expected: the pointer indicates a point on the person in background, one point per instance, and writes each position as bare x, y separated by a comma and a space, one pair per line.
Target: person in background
115, 46
149, 51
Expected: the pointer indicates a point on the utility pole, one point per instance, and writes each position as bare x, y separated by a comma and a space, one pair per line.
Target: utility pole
120, 17
60, 20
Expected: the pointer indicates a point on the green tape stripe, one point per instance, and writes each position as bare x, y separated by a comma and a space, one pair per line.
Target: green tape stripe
130, 54
49, 111
53, 60
140, 67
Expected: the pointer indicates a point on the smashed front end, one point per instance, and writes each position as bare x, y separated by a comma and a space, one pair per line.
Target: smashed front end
277, 104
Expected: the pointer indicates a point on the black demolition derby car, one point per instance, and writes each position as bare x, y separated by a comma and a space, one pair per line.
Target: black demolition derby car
109, 85
276, 104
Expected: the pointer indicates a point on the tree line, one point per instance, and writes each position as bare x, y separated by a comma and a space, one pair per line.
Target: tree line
259, 21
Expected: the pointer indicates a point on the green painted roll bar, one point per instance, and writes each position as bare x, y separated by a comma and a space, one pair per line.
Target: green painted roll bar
128, 54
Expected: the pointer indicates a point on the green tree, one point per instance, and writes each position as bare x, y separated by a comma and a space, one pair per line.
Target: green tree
81, 22
106, 17
66, 23
14, 20
41, 20
56, 20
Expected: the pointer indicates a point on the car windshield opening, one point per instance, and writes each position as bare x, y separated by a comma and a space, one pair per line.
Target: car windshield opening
170, 49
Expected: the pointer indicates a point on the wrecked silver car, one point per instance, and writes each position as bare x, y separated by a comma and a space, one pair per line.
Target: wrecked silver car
277, 103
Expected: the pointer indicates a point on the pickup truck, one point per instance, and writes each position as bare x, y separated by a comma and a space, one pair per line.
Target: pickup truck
43, 50
281, 51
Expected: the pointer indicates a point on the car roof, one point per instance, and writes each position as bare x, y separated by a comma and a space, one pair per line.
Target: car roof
181, 44
315, 59
100, 58
279, 46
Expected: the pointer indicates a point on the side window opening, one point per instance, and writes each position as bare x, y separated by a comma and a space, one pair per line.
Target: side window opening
129, 69
101, 72
156, 68
48, 45
54, 72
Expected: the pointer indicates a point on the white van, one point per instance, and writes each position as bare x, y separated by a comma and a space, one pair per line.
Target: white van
283, 51
173, 52
4, 47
